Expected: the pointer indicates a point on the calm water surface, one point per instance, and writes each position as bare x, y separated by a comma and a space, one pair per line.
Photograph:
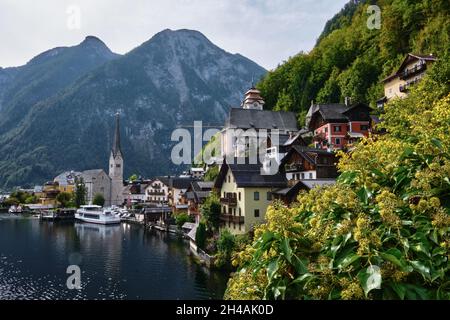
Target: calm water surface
117, 262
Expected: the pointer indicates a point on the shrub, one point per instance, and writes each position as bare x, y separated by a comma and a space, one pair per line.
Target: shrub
99, 200
200, 236
382, 232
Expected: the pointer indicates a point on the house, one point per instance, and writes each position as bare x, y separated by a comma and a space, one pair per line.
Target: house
289, 194
134, 192
337, 126
66, 181
195, 196
177, 188
49, 193
304, 163
411, 71
245, 195
157, 192
249, 121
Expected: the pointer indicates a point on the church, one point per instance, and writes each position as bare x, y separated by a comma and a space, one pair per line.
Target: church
97, 181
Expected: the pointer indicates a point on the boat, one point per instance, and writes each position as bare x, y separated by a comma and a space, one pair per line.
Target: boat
97, 214
15, 210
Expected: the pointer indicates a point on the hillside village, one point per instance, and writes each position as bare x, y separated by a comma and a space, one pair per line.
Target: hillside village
305, 157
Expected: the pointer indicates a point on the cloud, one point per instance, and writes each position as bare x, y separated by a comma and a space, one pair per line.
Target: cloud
267, 32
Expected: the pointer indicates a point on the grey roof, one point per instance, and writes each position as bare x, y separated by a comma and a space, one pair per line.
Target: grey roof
249, 175
261, 119
67, 177
89, 174
305, 185
337, 112
202, 185
176, 182
318, 183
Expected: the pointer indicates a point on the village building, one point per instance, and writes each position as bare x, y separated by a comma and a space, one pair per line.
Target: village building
411, 71
196, 195
306, 168
157, 192
246, 123
304, 163
134, 192
245, 195
96, 182
116, 162
338, 126
66, 181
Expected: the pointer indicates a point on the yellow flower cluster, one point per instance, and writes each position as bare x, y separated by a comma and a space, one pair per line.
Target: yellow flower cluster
388, 203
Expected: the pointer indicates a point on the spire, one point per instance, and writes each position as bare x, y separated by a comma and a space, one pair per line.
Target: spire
116, 143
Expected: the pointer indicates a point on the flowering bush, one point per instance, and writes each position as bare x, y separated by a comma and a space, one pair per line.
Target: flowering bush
382, 232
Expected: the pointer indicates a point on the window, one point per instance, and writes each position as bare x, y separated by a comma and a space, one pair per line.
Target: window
338, 140
269, 196
256, 213
256, 196
326, 130
337, 128
234, 211
310, 175
239, 196
303, 176
118, 165
364, 127
240, 212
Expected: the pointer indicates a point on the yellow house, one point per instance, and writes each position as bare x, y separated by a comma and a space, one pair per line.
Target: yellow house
411, 71
245, 195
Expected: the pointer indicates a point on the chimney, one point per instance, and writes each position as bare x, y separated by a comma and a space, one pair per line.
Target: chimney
347, 101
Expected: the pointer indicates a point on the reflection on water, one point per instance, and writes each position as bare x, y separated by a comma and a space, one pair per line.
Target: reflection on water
117, 262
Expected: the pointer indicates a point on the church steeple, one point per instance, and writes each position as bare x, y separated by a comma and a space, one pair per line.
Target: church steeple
116, 142
116, 167
253, 99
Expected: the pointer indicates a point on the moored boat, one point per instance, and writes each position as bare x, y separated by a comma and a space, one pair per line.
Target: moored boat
97, 214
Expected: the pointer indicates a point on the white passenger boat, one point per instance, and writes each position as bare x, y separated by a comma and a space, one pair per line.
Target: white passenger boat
97, 214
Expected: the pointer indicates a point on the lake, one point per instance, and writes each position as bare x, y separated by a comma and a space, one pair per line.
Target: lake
116, 262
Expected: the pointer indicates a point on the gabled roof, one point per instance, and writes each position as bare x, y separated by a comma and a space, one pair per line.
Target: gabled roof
261, 119
334, 112
408, 58
88, 175
305, 153
176, 182
249, 175
304, 185
202, 185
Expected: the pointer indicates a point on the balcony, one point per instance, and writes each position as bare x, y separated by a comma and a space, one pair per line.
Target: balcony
413, 71
293, 167
231, 202
156, 193
230, 218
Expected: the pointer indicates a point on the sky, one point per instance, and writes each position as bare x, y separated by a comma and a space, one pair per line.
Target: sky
265, 31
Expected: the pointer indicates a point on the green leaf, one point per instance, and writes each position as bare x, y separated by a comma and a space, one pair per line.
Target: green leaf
392, 258
300, 265
421, 268
437, 143
348, 177
399, 289
272, 269
348, 260
286, 249
370, 279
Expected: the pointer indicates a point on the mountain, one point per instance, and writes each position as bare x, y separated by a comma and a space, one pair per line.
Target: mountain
172, 80
350, 60
45, 75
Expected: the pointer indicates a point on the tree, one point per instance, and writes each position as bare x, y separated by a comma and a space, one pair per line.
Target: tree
80, 192
212, 173
99, 200
210, 211
133, 178
200, 235
182, 218
64, 198
382, 232
225, 245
